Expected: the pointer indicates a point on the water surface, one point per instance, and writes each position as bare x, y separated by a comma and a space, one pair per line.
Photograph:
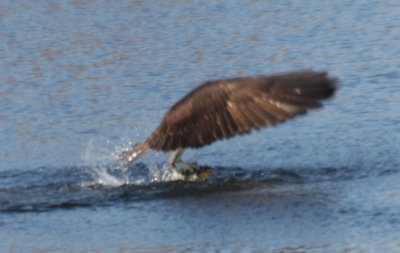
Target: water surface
79, 80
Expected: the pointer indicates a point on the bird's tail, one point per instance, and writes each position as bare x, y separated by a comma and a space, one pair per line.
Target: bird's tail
133, 153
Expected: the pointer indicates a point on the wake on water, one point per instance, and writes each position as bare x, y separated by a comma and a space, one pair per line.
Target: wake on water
101, 159
102, 181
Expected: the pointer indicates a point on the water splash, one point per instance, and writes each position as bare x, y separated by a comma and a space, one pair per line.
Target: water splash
101, 158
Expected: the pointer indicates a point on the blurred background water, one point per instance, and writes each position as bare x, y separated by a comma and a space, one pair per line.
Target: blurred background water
79, 80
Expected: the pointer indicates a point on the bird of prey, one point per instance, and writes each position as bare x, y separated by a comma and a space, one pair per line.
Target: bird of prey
221, 109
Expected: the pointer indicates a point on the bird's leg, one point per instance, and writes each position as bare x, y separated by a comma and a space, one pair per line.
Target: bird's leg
175, 157
175, 161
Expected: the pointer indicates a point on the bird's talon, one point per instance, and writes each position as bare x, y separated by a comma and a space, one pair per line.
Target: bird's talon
189, 168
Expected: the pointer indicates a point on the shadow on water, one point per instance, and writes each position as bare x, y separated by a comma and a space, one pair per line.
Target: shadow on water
46, 188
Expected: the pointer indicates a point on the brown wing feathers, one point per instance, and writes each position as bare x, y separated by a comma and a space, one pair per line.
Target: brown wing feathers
223, 108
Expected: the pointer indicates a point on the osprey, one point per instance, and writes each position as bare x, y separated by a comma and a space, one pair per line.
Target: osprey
221, 109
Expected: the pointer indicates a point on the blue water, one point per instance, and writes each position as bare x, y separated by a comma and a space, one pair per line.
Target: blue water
81, 80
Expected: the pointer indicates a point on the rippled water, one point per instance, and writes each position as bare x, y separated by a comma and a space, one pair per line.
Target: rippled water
79, 80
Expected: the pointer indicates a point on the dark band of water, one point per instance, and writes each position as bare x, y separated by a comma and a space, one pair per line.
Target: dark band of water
46, 188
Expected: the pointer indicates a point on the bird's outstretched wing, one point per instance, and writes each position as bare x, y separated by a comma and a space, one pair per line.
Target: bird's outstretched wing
224, 108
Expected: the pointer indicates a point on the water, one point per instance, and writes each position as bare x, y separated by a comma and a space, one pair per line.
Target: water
80, 80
